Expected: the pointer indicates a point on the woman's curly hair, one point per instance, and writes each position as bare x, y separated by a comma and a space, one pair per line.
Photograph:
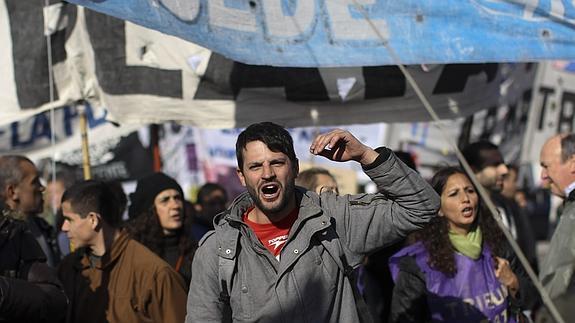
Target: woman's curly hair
435, 236
147, 230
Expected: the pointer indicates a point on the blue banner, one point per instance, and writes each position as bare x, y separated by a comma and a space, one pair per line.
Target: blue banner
322, 33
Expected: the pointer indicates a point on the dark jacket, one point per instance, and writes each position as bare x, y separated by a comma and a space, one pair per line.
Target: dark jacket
29, 289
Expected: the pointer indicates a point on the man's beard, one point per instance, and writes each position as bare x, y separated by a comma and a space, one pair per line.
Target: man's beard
288, 192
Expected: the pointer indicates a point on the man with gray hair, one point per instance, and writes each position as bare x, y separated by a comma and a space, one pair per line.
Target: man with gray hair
22, 192
558, 173
29, 289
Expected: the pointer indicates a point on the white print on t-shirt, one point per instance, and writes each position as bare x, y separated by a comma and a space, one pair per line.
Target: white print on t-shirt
278, 241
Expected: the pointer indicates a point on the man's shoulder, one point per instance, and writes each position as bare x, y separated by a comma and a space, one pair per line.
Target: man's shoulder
71, 264
569, 207
142, 257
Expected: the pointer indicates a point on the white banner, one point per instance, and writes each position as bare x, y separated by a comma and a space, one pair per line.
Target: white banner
552, 108
145, 76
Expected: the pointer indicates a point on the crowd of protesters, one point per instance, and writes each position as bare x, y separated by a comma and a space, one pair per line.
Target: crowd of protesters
291, 248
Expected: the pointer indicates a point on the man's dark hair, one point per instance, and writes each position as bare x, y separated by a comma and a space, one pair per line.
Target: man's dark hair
207, 189
11, 171
567, 147
274, 136
94, 196
473, 153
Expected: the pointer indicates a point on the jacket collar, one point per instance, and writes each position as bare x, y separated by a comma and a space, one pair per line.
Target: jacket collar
110, 257
228, 223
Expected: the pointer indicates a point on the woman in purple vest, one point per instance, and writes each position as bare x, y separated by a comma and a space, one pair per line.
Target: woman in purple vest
458, 269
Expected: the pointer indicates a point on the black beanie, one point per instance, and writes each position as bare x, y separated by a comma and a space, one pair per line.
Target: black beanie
146, 191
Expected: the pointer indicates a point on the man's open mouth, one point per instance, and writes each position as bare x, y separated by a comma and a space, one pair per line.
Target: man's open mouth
270, 191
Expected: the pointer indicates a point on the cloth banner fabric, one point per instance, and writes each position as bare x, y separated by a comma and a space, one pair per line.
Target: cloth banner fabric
144, 76
332, 33
116, 152
552, 109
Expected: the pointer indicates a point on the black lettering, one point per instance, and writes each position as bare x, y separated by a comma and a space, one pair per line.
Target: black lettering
108, 38
383, 82
546, 92
567, 112
30, 50
523, 108
489, 123
510, 122
225, 79
454, 76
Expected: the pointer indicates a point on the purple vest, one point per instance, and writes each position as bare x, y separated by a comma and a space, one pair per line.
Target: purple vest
473, 295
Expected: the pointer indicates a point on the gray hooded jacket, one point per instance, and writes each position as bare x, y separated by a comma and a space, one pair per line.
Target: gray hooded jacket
307, 285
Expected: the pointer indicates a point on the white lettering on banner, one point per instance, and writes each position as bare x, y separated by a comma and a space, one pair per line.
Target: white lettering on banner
532, 10
186, 10
36, 131
281, 25
346, 27
238, 19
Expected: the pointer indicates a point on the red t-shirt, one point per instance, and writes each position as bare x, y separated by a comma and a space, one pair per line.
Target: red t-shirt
273, 235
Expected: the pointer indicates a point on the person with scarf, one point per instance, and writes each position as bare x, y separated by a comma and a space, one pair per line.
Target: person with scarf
459, 268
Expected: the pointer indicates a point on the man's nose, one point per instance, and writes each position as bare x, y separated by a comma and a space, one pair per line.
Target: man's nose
544, 175
502, 169
65, 226
268, 171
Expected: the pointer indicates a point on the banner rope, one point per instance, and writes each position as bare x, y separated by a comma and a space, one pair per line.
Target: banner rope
48, 34
482, 192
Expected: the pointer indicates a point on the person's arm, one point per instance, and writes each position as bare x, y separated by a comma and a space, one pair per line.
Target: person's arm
204, 304
38, 299
409, 300
527, 296
367, 222
35, 294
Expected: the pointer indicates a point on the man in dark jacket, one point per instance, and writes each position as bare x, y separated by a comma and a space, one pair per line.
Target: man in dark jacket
29, 289
22, 192
490, 169
284, 254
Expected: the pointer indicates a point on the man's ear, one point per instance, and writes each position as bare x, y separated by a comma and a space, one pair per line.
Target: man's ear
571, 162
95, 220
11, 193
241, 176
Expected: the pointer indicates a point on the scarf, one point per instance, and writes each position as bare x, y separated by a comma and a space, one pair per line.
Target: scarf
468, 245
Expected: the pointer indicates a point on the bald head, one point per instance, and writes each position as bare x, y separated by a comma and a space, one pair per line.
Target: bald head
558, 163
20, 187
